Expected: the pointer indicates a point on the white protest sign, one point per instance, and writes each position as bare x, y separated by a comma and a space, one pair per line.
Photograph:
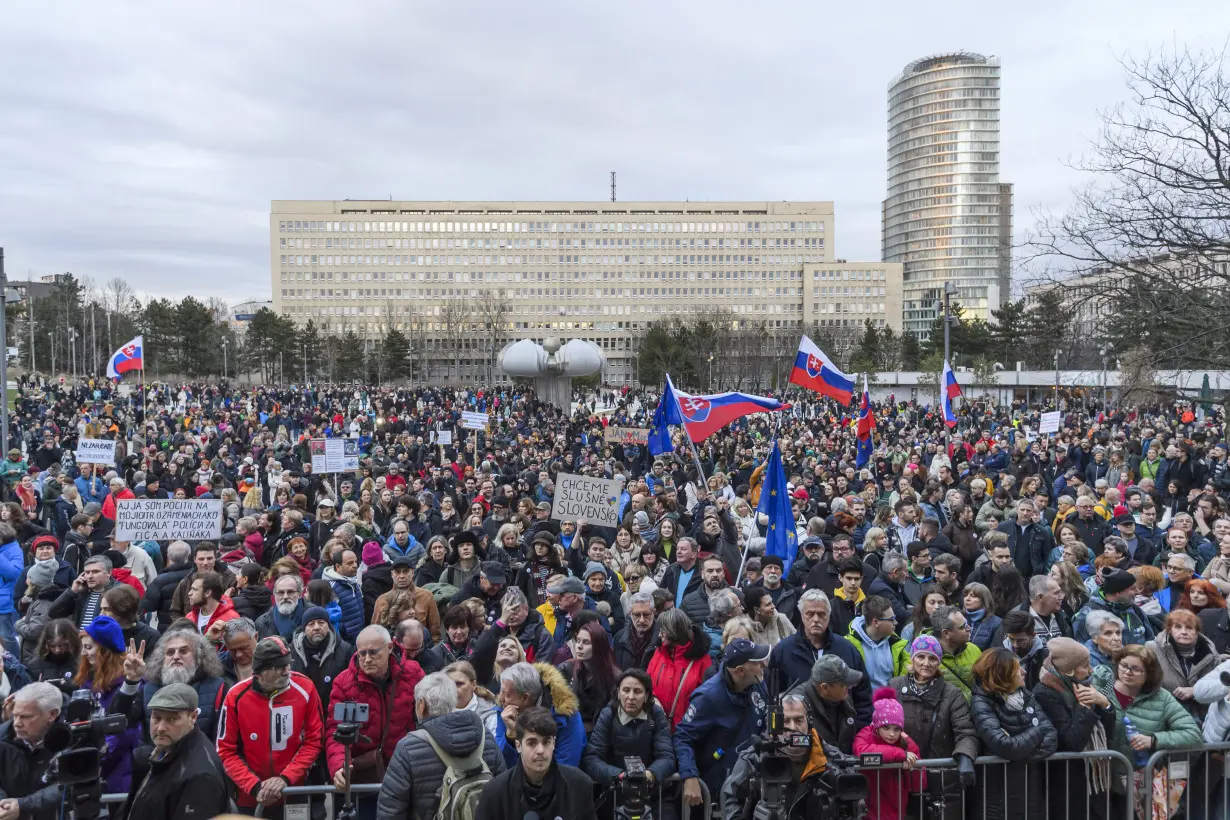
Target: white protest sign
168, 519
95, 451
581, 498
473, 421
1050, 422
442, 437
334, 455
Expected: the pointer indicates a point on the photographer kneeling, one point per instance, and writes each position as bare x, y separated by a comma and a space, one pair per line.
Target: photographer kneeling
23, 757
812, 789
633, 725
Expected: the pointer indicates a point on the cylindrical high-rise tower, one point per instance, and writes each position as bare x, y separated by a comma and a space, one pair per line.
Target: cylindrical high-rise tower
947, 218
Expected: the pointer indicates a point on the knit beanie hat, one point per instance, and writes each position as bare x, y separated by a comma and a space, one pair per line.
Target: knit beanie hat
106, 632
926, 643
886, 709
373, 554
315, 613
42, 573
1066, 654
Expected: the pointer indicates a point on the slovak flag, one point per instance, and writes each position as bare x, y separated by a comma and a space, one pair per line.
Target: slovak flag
949, 391
705, 415
127, 358
866, 426
816, 371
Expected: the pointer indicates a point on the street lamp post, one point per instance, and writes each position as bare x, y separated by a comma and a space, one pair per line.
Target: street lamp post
949, 290
224, 359
1105, 351
1056, 379
305, 380
710, 371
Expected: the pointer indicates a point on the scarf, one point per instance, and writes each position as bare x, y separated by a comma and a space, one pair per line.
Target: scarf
1096, 769
913, 687
539, 798
1015, 701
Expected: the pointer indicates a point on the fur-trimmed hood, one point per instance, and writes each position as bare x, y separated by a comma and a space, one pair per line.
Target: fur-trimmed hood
556, 694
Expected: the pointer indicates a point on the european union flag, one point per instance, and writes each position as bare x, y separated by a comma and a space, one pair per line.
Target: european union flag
659, 440
780, 539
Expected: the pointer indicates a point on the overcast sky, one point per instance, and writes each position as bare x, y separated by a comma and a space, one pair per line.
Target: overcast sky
146, 140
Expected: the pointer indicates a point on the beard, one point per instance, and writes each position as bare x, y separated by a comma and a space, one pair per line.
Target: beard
178, 674
287, 608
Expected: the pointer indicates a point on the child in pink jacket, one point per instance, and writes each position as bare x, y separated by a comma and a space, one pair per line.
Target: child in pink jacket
889, 790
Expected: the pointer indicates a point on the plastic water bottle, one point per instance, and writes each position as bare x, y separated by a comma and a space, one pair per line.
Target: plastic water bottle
1141, 757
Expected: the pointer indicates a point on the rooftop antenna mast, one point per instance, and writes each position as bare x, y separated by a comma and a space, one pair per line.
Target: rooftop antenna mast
612, 186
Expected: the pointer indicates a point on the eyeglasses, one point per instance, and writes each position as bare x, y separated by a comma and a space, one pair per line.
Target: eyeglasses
370, 653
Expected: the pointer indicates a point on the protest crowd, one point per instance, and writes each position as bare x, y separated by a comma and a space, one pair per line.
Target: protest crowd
423, 622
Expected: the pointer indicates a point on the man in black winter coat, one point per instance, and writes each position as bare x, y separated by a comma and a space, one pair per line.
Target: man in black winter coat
159, 593
537, 783
635, 644
318, 652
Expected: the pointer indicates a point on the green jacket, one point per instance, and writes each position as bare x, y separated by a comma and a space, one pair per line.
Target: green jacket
899, 648
958, 669
12, 471
1160, 715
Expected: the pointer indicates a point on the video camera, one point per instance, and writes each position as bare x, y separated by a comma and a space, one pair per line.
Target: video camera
350, 716
633, 791
77, 742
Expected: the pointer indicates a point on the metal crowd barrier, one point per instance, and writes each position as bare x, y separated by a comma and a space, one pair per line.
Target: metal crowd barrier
1023, 789
1194, 779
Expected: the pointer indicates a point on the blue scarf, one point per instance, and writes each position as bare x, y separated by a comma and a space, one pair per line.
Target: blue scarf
286, 626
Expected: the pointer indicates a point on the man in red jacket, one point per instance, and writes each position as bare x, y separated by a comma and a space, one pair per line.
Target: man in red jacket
270, 731
375, 677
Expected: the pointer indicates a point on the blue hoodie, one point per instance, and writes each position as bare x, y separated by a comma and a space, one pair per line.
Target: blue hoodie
878, 656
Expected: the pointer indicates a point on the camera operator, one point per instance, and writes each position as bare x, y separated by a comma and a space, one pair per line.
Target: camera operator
805, 795
182, 775
23, 757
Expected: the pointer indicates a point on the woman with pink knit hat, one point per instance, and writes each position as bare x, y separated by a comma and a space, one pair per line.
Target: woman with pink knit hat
889, 790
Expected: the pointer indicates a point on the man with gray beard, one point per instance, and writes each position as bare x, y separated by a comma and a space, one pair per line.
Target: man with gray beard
182, 656
286, 614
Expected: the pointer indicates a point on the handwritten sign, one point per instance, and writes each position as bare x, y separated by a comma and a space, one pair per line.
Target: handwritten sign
474, 421
95, 451
581, 498
1050, 422
442, 437
168, 519
626, 435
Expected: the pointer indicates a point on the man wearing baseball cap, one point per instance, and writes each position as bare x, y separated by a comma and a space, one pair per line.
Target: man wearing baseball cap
182, 776
723, 715
829, 704
264, 756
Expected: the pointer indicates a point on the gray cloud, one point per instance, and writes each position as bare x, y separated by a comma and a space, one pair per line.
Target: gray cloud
146, 140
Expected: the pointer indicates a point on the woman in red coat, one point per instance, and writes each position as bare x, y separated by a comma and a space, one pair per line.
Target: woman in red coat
679, 665
376, 677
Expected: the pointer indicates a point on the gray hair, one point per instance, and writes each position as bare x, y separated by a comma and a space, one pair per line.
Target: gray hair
296, 578
207, 663
239, 626
1039, 584
178, 552
377, 630
795, 698
1184, 559
675, 627
514, 596
42, 694
345, 532
116, 482
1097, 620
640, 598
893, 562
814, 596
523, 678
837, 505
438, 693
722, 604
93, 559
941, 619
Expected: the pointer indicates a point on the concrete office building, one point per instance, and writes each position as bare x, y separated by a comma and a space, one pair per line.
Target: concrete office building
462, 279
947, 218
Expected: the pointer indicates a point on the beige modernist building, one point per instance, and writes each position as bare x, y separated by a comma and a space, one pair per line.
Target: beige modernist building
947, 218
463, 278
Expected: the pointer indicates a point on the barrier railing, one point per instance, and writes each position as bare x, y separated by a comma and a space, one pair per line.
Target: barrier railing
1191, 781
330, 793
1044, 789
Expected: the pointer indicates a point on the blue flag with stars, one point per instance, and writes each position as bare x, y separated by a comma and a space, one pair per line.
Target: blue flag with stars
659, 440
780, 538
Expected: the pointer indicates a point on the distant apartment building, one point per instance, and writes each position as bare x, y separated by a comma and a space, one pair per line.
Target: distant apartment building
461, 279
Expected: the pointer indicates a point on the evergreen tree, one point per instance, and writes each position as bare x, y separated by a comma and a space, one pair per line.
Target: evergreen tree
396, 351
866, 356
1010, 333
911, 352
350, 357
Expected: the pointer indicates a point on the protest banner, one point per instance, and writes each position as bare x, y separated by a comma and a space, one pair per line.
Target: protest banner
334, 455
95, 451
473, 421
442, 437
1050, 422
168, 519
626, 435
581, 498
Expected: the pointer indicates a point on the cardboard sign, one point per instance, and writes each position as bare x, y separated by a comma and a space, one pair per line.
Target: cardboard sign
474, 421
581, 498
626, 435
334, 455
168, 519
95, 451
1050, 422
